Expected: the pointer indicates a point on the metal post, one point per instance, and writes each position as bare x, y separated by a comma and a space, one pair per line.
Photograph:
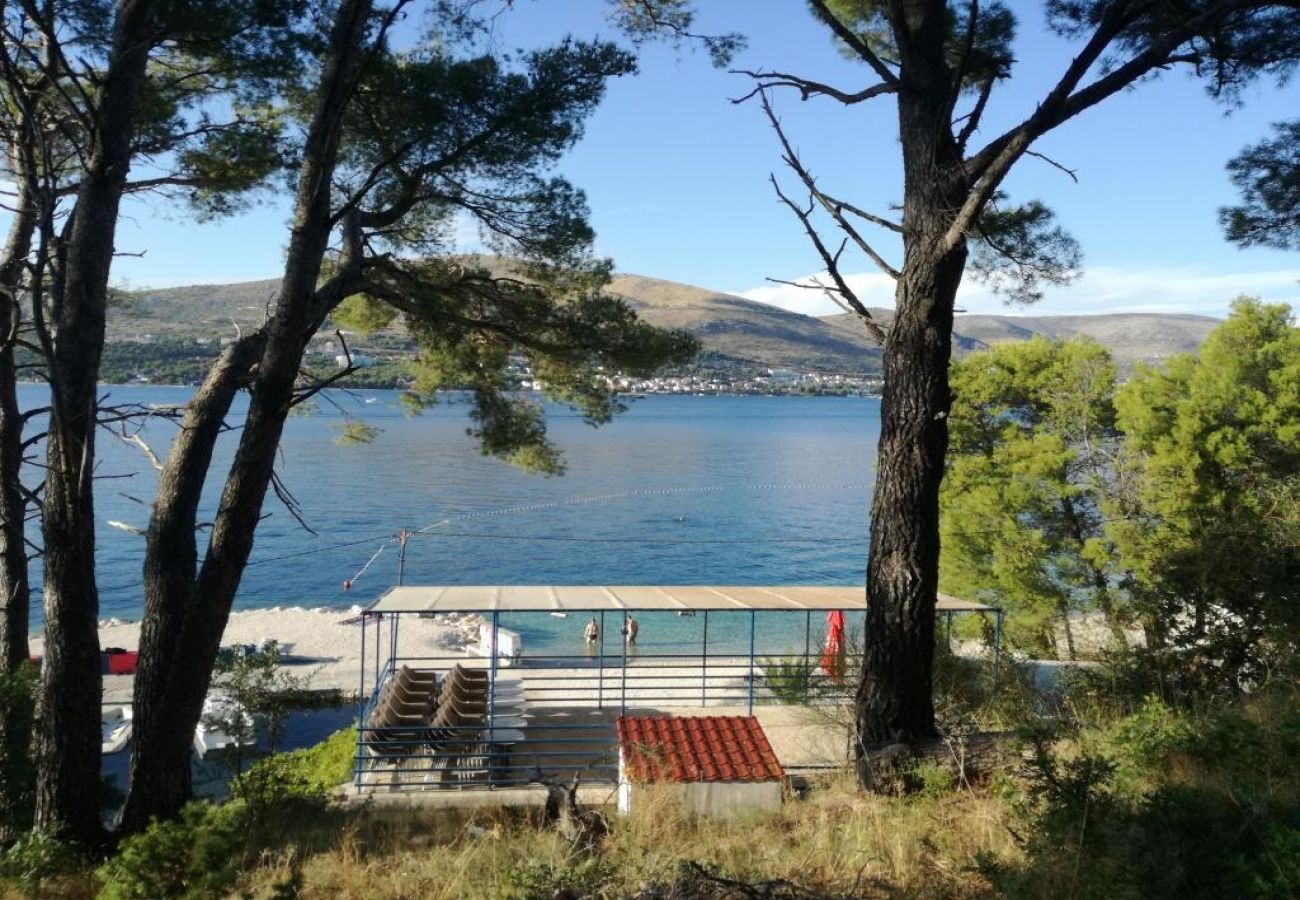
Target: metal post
392, 638
807, 652
622, 700
361, 705
704, 667
402, 537
379, 626
492, 680
600, 664
752, 622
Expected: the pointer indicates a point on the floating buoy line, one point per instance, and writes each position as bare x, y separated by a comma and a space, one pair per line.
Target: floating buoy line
437, 529
432, 529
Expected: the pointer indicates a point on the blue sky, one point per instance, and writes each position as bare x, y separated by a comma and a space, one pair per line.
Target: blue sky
676, 174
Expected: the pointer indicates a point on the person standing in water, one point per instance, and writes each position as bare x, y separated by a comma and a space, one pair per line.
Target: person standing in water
592, 631
630, 629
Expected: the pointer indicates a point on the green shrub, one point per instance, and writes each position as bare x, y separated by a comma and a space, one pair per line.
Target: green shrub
972, 695
791, 679
302, 775
1152, 731
197, 855
1278, 873
38, 855
930, 780
538, 880
1165, 802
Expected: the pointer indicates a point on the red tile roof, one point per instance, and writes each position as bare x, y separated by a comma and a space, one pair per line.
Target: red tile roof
696, 748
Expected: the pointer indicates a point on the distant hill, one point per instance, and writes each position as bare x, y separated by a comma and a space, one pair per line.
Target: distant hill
742, 330
1130, 337
192, 311
733, 330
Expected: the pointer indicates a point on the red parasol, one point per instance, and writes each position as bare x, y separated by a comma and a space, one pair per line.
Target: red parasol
833, 656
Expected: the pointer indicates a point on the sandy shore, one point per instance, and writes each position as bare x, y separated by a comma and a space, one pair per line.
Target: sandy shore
317, 643
324, 647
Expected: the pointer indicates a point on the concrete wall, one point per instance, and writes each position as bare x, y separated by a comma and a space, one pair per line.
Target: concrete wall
724, 800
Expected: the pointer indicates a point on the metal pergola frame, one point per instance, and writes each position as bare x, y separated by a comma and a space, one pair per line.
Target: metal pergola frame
492, 601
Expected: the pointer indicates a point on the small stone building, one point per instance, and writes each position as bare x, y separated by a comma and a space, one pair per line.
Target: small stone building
721, 766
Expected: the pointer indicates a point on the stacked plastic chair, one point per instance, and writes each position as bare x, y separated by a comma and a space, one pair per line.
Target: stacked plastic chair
401, 716
475, 718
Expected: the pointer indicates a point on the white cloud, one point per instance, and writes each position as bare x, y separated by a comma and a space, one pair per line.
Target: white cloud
1101, 290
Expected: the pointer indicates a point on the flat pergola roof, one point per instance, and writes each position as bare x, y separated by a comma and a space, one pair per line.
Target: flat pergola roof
638, 598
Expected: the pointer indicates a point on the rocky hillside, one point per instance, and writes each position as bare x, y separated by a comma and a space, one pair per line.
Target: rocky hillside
732, 329
1130, 337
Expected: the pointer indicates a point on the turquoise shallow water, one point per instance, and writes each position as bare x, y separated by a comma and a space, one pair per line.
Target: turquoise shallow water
679, 490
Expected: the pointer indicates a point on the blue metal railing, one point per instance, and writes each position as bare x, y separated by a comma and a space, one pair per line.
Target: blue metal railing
567, 707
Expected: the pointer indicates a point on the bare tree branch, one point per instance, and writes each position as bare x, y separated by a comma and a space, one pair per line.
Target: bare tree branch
836, 211
307, 393
290, 502
845, 206
831, 261
808, 88
1074, 175
135, 439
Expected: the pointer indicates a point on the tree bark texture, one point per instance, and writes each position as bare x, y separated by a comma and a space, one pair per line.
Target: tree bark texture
187, 611
68, 733
161, 753
15, 586
895, 695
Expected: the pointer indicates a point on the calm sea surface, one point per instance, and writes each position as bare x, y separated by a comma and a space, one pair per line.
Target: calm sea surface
678, 490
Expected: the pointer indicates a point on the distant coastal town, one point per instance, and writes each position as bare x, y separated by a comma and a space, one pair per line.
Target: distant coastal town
770, 382
382, 363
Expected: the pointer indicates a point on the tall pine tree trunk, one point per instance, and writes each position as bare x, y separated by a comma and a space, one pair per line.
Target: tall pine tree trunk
68, 732
15, 587
186, 613
895, 697
15, 605
160, 766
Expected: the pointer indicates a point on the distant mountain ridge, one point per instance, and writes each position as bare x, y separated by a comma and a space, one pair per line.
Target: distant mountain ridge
732, 330
746, 330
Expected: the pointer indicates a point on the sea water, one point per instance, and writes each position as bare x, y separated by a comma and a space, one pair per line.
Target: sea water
677, 490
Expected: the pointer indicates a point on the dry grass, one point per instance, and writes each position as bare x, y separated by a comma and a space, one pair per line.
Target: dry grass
835, 839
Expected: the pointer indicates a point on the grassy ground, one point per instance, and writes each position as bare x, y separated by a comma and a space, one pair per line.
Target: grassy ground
832, 840
1117, 799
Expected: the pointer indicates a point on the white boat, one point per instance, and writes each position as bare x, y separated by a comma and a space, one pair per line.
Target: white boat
114, 728
209, 734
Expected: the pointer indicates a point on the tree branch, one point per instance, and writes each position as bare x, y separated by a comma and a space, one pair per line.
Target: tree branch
831, 261
855, 43
975, 115
307, 393
835, 211
290, 502
1074, 175
988, 167
846, 206
807, 88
